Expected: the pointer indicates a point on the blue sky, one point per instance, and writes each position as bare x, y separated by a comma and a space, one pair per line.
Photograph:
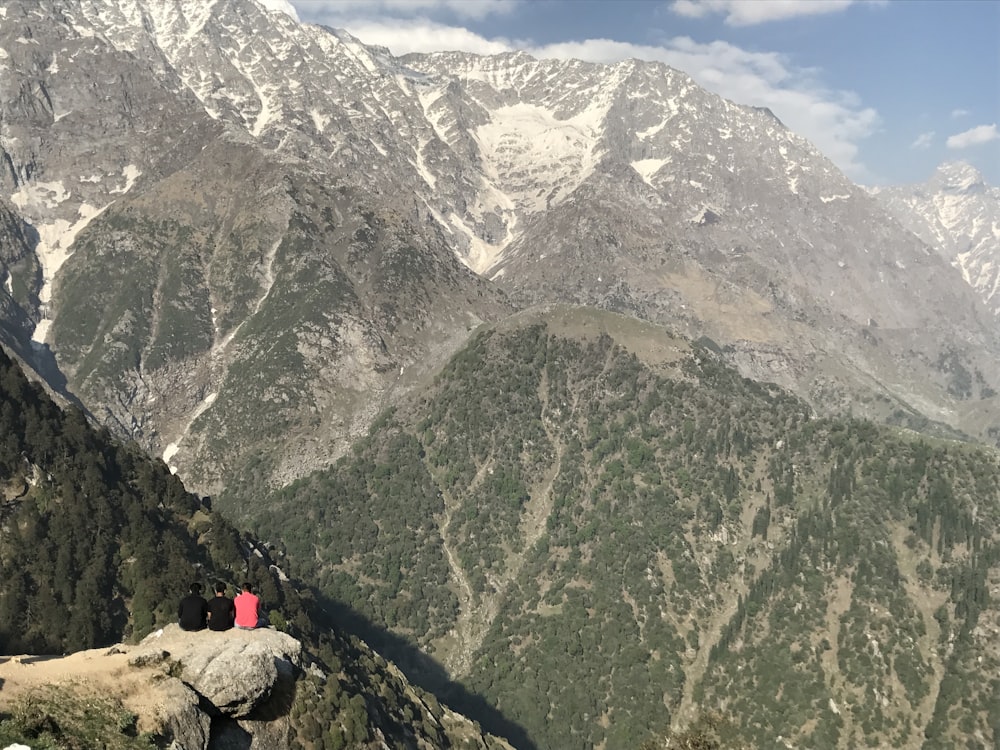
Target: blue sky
887, 89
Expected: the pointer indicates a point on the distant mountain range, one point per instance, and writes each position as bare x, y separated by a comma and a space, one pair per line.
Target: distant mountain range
241, 237
958, 214
458, 332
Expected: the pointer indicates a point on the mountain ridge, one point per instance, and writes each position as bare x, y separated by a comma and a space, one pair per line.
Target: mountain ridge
621, 186
958, 214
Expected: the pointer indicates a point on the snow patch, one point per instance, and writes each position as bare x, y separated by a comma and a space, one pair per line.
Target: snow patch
647, 168
54, 247
531, 152
3, 54
171, 450
429, 178
319, 119
130, 173
643, 135
829, 198
427, 100
267, 110
40, 195
8, 283
481, 254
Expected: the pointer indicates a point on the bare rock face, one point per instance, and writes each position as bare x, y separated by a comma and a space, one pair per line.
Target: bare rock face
229, 689
183, 719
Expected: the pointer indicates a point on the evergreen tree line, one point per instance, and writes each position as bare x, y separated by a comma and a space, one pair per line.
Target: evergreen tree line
98, 543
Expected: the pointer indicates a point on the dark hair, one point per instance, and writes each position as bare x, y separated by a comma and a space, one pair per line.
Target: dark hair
195, 588
247, 586
220, 588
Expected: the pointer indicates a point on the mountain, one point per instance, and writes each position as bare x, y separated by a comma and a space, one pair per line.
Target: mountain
98, 542
235, 238
200, 271
328, 287
607, 529
958, 214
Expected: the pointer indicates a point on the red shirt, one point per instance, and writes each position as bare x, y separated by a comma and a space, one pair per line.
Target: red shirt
247, 610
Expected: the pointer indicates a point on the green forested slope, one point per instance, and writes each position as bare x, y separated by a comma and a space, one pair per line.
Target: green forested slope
98, 542
601, 542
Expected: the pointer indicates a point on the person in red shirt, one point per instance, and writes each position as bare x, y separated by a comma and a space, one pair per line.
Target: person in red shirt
248, 609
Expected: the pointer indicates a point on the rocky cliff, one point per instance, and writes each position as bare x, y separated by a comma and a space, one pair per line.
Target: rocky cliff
233, 690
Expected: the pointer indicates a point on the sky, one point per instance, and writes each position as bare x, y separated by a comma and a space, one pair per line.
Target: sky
887, 89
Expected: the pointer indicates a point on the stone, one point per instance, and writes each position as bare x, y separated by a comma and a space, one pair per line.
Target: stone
235, 671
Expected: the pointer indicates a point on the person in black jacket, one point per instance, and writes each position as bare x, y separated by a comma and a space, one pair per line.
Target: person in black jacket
192, 612
221, 610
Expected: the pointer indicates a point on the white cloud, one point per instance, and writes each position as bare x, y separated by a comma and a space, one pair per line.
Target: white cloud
923, 141
328, 11
282, 6
974, 136
751, 12
959, 113
403, 36
835, 121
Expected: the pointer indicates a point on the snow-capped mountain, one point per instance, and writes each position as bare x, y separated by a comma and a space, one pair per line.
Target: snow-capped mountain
958, 214
247, 235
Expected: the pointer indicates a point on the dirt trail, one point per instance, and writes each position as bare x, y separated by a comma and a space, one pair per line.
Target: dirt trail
926, 600
101, 671
477, 612
456, 650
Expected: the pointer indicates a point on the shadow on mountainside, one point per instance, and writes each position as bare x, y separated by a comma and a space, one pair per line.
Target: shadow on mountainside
423, 671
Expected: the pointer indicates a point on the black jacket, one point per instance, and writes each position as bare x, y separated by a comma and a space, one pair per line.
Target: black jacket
192, 612
222, 611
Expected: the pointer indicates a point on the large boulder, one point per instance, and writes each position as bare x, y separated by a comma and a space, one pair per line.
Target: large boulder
179, 716
235, 671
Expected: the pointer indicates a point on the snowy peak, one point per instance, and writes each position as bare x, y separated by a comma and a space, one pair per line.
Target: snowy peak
957, 177
620, 185
279, 6
496, 139
958, 214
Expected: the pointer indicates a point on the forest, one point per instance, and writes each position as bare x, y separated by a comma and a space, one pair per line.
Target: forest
600, 545
98, 542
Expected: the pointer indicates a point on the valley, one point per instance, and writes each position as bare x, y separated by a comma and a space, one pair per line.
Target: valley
570, 395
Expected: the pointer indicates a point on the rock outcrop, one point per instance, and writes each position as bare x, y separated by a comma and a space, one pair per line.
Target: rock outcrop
237, 683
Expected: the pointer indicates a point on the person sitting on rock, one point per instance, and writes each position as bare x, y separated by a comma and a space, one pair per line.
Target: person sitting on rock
221, 610
248, 609
192, 612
